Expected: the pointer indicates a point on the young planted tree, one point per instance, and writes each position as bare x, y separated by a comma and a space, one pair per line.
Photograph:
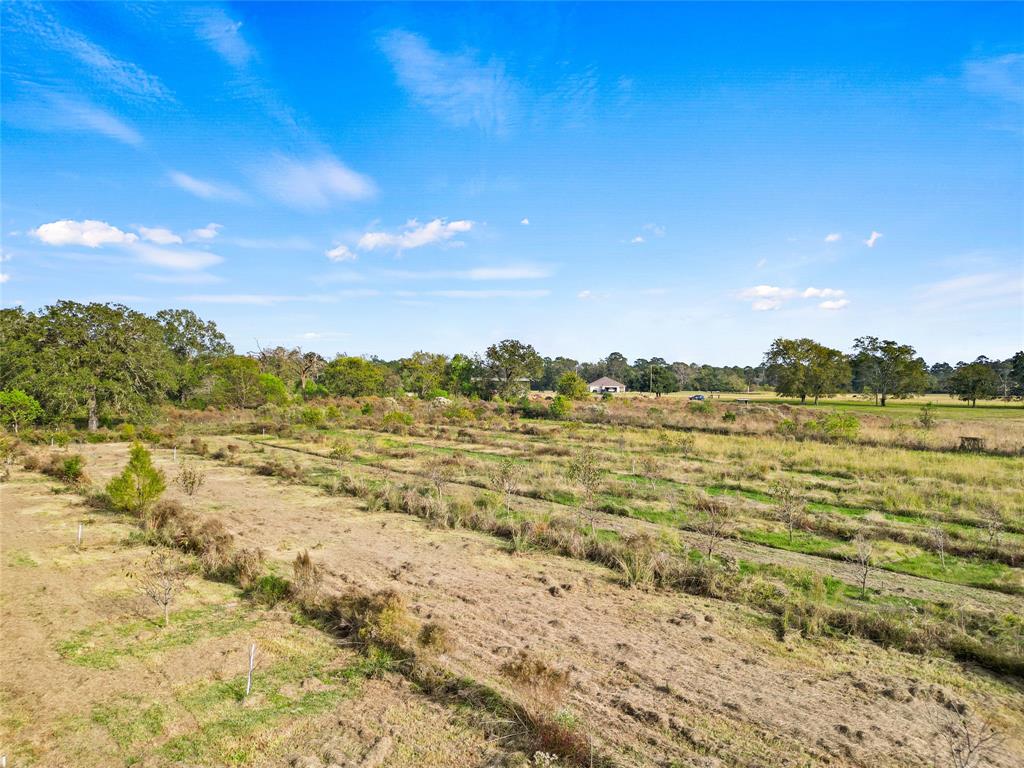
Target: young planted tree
440, 475
964, 741
18, 409
161, 579
791, 508
583, 470
139, 486
715, 522
506, 478
938, 536
861, 558
191, 479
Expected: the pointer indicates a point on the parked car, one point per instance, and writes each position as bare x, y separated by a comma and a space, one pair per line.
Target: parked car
696, 397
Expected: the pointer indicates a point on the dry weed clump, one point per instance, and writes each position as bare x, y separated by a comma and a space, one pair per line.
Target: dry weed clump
307, 578
380, 619
536, 676
434, 637
247, 566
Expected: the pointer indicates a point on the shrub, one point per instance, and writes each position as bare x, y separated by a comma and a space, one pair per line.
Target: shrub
700, 406
397, 422
572, 386
382, 619
836, 425
728, 417
270, 590
312, 416
247, 566
199, 446
138, 487
127, 432
434, 637
560, 407
215, 546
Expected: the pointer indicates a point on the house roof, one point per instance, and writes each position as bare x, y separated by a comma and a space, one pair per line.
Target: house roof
604, 381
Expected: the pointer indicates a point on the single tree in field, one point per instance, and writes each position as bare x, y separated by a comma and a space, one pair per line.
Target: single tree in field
583, 470
18, 408
512, 364
423, 372
506, 478
161, 579
964, 741
191, 478
91, 358
440, 475
804, 368
138, 487
887, 369
861, 558
791, 508
572, 385
714, 522
354, 377
994, 525
938, 536
973, 381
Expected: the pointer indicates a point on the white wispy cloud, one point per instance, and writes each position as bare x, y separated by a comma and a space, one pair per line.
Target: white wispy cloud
89, 233
415, 235
456, 87
187, 278
340, 253
874, 238
1001, 76
174, 258
51, 111
764, 298
286, 243
585, 295
223, 35
822, 293
525, 221
209, 232
638, 240
986, 289
833, 237
205, 189
657, 230
834, 304
116, 75
259, 299
313, 183
494, 293
4, 277
159, 235
478, 274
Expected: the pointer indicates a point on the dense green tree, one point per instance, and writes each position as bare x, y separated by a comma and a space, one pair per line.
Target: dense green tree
18, 408
1017, 373
239, 382
423, 372
511, 364
572, 386
463, 374
355, 377
804, 368
887, 369
98, 358
554, 369
973, 381
194, 343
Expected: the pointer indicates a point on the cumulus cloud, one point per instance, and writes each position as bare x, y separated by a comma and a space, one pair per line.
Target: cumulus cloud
833, 237
836, 304
340, 253
159, 235
822, 293
89, 233
455, 87
870, 242
637, 240
208, 232
525, 221
315, 183
768, 297
207, 190
4, 277
415, 235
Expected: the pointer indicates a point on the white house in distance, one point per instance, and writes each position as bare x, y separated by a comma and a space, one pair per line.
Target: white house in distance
605, 384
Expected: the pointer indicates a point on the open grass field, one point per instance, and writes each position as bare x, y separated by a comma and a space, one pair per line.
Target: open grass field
638, 585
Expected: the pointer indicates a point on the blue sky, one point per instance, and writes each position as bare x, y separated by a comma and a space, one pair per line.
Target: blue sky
688, 181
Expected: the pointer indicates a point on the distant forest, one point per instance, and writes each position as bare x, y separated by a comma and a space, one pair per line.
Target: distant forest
97, 362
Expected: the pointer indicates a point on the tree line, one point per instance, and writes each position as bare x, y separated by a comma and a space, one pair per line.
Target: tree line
99, 362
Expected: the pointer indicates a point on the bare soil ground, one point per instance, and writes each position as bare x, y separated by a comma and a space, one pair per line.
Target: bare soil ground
89, 678
656, 678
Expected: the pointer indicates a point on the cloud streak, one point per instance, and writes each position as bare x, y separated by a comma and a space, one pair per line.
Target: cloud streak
415, 235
